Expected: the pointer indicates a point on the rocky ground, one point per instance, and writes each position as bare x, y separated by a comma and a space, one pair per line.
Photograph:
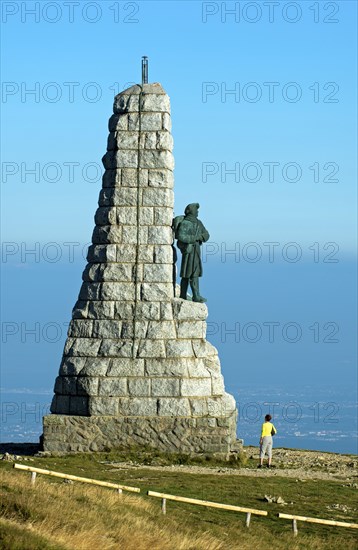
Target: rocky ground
294, 463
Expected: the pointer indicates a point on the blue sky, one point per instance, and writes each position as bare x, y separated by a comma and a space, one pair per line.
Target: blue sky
314, 138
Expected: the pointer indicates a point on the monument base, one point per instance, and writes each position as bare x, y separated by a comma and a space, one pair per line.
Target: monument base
66, 433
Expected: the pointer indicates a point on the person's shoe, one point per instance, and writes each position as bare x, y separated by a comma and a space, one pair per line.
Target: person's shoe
268, 466
259, 466
199, 299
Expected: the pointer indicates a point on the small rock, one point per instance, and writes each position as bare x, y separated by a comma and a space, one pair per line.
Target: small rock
69, 481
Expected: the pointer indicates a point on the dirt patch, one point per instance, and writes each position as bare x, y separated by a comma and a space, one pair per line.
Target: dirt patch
293, 463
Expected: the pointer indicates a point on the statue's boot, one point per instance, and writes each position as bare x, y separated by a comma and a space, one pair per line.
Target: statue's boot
184, 288
194, 284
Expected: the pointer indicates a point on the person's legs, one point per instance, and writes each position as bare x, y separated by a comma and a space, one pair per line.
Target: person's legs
263, 450
269, 453
194, 284
184, 288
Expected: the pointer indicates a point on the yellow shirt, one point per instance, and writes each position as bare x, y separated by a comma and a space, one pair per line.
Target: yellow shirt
266, 429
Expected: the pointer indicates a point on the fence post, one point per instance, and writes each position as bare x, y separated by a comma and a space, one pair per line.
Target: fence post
164, 505
33, 478
294, 527
248, 518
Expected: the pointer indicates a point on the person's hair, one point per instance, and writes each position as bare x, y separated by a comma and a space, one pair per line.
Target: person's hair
268, 417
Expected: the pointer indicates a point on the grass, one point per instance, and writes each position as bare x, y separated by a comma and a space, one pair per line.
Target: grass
54, 515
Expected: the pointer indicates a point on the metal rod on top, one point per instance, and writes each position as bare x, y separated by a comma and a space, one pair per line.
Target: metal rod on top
144, 69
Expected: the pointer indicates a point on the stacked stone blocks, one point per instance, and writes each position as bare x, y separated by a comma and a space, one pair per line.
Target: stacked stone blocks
136, 367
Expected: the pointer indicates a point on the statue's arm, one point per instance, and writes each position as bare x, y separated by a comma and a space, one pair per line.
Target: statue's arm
204, 233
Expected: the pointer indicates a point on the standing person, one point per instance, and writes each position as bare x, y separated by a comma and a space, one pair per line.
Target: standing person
267, 431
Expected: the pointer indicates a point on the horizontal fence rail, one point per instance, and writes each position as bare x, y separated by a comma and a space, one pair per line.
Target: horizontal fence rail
295, 519
35, 471
208, 503
165, 497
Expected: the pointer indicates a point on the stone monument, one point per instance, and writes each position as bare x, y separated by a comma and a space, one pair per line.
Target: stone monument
137, 370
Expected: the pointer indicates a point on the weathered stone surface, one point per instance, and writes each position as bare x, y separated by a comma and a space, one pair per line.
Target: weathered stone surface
160, 235
155, 103
79, 405
84, 347
126, 253
80, 327
117, 291
167, 122
165, 387
217, 384
102, 253
162, 254
195, 387
105, 215
101, 309
162, 273
153, 159
111, 178
185, 310
203, 348
162, 216
151, 348
116, 348
191, 329
139, 387
107, 329
173, 407
179, 348
126, 367
95, 367
148, 122
131, 177
87, 385
166, 367
159, 140
80, 310
163, 178
72, 366
139, 406
161, 330
118, 122
158, 197
124, 310
90, 291
136, 368
178, 435
112, 387
157, 292
103, 406
107, 234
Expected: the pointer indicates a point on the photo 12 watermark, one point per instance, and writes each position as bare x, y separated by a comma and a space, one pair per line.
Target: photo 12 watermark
50, 172
36, 92
270, 92
274, 332
273, 171
70, 12
253, 252
270, 12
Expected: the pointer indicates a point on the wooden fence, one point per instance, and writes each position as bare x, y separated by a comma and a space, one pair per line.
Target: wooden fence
35, 471
295, 519
164, 497
209, 504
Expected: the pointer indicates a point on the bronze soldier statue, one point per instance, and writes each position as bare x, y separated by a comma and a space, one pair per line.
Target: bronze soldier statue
190, 234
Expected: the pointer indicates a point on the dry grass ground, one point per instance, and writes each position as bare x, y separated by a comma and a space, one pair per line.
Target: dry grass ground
54, 515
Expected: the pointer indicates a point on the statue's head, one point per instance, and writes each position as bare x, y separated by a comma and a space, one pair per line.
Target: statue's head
192, 208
